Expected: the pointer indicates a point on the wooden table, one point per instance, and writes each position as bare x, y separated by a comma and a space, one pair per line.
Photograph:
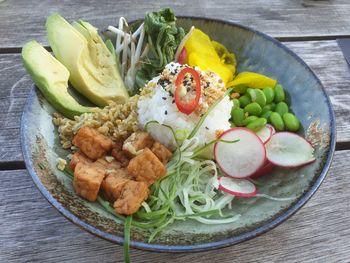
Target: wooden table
33, 231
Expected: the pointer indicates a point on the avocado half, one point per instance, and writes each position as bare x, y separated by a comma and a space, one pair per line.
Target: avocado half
93, 69
51, 77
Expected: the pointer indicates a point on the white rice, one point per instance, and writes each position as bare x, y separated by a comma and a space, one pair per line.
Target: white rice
162, 110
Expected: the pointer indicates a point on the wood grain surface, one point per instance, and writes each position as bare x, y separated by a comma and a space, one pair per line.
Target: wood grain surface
289, 19
33, 231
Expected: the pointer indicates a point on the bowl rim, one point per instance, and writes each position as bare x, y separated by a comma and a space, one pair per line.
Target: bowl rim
270, 224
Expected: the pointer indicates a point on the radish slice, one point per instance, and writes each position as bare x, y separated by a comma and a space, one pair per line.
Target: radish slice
264, 134
288, 149
272, 128
237, 187
182, 43
243, 158
182, 56
264, 170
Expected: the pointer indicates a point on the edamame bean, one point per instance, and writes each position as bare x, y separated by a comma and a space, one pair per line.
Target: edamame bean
279, 93
277, 121
244, 100
257, 124
248, 120
272, 105
266, 108
237, 116
253, 109
291, 121
269, 94
281, 108
266, 115
258, 96
241, 89
235, 103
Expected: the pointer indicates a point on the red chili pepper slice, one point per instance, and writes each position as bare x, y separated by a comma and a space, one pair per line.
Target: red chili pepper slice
187, 107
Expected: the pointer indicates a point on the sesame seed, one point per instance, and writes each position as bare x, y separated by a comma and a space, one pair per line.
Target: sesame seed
206, 127
164, 98
166, 112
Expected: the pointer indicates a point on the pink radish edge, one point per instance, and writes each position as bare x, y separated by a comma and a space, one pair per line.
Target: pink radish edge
239, 194
251, 132
273, 130
291, 166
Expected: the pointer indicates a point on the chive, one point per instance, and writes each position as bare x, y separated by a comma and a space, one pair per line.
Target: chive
201, 149
41, 166
127, 229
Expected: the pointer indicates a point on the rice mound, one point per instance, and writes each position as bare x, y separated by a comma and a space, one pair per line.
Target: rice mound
159, 106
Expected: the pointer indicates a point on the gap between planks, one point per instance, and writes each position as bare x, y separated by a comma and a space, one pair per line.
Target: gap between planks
16, 50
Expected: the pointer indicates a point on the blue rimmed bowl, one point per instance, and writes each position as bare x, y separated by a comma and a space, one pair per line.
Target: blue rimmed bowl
255, 51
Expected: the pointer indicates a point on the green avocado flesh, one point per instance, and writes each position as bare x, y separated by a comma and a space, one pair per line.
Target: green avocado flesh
51, 77
92, 67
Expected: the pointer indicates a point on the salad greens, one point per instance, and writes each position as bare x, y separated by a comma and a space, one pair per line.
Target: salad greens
163, 38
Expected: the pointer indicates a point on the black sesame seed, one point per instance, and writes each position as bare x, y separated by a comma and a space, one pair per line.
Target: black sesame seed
164, 98
206, 127
173, 102
166, 112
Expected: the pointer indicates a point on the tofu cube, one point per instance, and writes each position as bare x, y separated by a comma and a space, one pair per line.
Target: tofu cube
92, 143
78, 157
114, 182
136, 142
163, 154
146, 167
87, 180
131, 198
120, 155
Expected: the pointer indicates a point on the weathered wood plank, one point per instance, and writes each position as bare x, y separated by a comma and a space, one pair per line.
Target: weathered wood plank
279, 18
32, 231
324, 57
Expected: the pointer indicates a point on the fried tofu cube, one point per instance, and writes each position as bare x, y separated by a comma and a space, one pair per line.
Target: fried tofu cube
137, 141
109, 166
87, 180
131, 198
120, 155
146, 167
92, 143
114, 182
78, 157
162, 152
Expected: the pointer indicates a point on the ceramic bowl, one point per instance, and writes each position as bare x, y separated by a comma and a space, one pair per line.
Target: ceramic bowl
255, 51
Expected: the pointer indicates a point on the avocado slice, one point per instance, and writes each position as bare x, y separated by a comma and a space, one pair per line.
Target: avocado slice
92, 67
51, 77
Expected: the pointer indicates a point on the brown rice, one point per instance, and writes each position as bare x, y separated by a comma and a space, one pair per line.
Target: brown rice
116, 121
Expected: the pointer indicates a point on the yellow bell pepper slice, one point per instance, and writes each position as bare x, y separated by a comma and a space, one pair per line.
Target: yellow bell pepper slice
203, 53
252, 80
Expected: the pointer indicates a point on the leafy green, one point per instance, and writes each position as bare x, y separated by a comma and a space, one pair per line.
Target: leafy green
163, 38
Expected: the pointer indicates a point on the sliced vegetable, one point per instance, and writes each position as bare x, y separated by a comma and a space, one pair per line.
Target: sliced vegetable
272, 128
184, 104
252, 80
201, 52
265, 133
264, 170
182, 43
288, 149
182, 56
242, 158
237, 187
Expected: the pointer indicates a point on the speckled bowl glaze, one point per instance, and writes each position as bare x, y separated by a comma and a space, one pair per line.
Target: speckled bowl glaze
255, 51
